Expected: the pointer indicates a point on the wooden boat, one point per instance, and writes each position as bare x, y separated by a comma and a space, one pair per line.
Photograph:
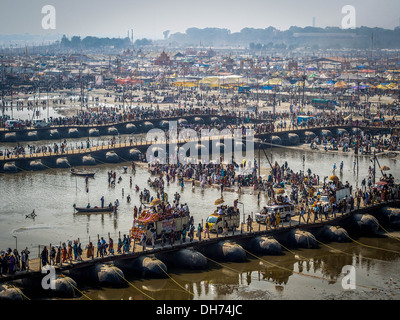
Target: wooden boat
94, 209
83, 173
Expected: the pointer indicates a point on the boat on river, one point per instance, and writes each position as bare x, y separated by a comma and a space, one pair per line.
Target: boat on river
95, 209
83, 173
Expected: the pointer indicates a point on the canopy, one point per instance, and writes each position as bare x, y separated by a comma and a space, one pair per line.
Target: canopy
127, 81
340, 84
222, 80
219, 201
155, 202
184, 84
147, 217
275, 82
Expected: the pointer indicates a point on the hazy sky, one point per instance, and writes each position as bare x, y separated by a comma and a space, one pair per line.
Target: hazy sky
149, 18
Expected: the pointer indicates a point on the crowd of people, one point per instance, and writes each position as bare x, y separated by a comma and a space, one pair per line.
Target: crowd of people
304, 189
364, 143
12, 261
214, 105
206, 174
32, 149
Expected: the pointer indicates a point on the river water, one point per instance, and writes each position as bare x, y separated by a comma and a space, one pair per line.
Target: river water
53, 192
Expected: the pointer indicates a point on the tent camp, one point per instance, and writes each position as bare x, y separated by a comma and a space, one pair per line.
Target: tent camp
216, 81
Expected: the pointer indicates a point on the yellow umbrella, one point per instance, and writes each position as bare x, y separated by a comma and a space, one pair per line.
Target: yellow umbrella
155, 202
384, 168
280, 191
219, 201
333, 178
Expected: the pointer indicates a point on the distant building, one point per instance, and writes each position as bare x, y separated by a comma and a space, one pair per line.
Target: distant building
228, 63
190, 52
179, 56
210, 53
163, 60
74, 58
293, 65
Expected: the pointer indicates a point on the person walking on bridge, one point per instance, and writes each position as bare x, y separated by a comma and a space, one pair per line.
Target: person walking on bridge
316, 212
278, 219
44, 256
163, 239
64, 252
103, 247
172, 238
119, 247
99, 249
153, 238
206, 230
191, 232
249, 223
53, 255
90, 250
301, 216
143, 240
69, 252
199, 230
111, 246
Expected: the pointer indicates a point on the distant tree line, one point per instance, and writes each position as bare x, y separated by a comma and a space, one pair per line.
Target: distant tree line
269, 38
143, 42
94, 42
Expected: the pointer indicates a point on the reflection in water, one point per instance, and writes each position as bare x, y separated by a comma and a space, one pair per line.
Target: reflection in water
318, 273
